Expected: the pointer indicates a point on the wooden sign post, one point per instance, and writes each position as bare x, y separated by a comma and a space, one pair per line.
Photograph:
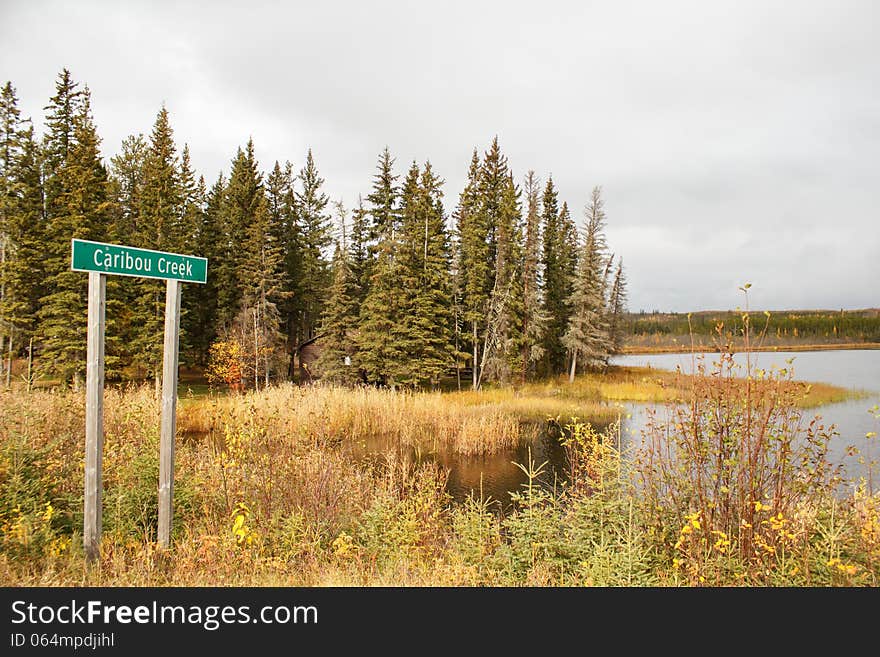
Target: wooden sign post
100, 259
94, 415
169, 411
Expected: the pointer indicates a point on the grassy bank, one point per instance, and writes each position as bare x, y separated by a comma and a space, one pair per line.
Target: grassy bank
644, 384
266, 494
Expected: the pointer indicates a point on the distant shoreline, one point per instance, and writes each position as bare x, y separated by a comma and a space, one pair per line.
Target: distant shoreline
699, 348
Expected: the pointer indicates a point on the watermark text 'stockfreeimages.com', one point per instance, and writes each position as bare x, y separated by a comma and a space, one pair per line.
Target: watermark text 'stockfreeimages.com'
209, 617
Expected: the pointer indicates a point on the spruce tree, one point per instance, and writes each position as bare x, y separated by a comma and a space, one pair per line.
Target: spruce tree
314, 238
159, 227
616, 308
586, 336
9, 153
378, 351
336, 362
77, 206
567, 249
555, 285
238, 209
281, 197
434, 301
407, 330
127, 170
193, 196
202, 322
261, 272
162, 196
424, 328
498, 205
474, 265
383, 203
358, 251
534, 319
20, 228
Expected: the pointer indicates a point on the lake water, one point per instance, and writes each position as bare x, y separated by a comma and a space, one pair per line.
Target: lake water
496, 475
856, 369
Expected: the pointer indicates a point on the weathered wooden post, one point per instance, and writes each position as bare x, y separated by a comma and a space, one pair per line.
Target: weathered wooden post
99, 259
94, 415
169, 411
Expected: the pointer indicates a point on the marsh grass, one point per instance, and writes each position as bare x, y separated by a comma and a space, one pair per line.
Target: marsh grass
267, 494
327, 415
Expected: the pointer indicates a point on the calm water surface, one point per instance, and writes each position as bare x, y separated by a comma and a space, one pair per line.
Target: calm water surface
494, 476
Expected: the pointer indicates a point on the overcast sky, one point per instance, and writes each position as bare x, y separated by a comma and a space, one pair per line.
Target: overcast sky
735, 141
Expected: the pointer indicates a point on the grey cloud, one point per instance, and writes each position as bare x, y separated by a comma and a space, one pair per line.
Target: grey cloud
735, 140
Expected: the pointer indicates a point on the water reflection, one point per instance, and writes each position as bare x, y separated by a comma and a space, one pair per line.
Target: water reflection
494, 476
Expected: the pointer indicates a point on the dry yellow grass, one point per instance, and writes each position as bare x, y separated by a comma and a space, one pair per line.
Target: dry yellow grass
264, 497
331, 415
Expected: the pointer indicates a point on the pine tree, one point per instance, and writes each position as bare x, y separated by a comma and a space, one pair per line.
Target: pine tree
586, 337
534, 319
77, 206
314, 238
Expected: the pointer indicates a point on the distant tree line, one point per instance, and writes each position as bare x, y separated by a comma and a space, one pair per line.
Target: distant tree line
394, 291
819, 326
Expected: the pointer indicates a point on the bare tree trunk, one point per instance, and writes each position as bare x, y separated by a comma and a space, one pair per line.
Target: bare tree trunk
574, 360
476, 362
30, 375
2, 350
256, 355
9, 361
266, 363
2, 300
457, 351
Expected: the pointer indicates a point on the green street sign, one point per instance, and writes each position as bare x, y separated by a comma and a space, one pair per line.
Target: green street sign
132, 261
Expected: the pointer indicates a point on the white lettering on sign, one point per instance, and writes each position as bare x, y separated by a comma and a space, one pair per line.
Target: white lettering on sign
122, 260
175, 268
